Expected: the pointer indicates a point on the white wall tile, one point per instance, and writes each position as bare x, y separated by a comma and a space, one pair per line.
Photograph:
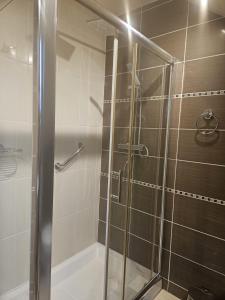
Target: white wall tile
7, 212
79, 106
64, 232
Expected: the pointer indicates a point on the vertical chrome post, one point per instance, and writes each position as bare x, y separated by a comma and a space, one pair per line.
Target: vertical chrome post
110, 169
130, 163
44, 58
162, 216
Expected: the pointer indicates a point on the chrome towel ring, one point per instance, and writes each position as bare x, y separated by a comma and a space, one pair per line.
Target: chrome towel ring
207, 115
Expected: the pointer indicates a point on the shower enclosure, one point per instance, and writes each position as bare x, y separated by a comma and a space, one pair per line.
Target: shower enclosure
126, 149
86, 146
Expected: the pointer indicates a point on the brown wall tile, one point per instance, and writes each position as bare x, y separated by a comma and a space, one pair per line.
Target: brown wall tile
192, 108
162, 19
120, 137
206, 39
143, 225
200, 215
198, 14
122, 86
177, 85
102, 209
105, 161
188, 274
201, 248
124, 57
105, 137
109, 42
148, 59
173, 43
106, 114
155, 140
122, 114
151, 82
117, 212
207, 180
174, 289
177, 290
153, 115
195, 146
101, 232
108, 88
154, 4
103, 187
150, 170
116, 237
109, 63
175, 112
140, 251
165, 261
146, 199
205, 74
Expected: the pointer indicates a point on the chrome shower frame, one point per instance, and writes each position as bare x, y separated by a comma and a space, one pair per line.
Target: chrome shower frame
44, 83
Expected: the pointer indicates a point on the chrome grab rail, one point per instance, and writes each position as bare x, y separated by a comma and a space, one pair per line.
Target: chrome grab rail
61, 166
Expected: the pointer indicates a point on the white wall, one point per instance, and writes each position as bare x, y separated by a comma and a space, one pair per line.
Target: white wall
76, 190
15, 132
80, 78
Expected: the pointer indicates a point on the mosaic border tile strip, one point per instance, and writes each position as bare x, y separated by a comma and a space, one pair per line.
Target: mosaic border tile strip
170, 190
201, 94
175, 96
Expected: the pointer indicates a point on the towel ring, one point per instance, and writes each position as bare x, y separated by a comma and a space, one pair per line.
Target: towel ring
207, 115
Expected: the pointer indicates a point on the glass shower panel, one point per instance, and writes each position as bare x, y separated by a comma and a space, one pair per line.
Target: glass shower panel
84, 223
120, 162
144, 207
16, 97
77, 257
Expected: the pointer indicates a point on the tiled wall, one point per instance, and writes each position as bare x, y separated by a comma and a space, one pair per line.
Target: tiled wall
15, 132
79, 106
194, 240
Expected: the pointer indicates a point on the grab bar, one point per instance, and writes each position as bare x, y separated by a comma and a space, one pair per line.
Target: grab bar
61, 166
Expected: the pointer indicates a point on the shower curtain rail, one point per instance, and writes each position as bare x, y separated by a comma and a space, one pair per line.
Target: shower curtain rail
114, 20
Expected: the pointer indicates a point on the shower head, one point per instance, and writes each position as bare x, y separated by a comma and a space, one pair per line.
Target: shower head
137, 81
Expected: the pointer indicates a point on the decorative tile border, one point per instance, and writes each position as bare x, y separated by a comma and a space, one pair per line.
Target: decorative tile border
201, 94
170, 190
175, 96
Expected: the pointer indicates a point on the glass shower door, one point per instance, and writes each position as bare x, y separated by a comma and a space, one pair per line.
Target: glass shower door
137, 185
145, 222
118, 166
